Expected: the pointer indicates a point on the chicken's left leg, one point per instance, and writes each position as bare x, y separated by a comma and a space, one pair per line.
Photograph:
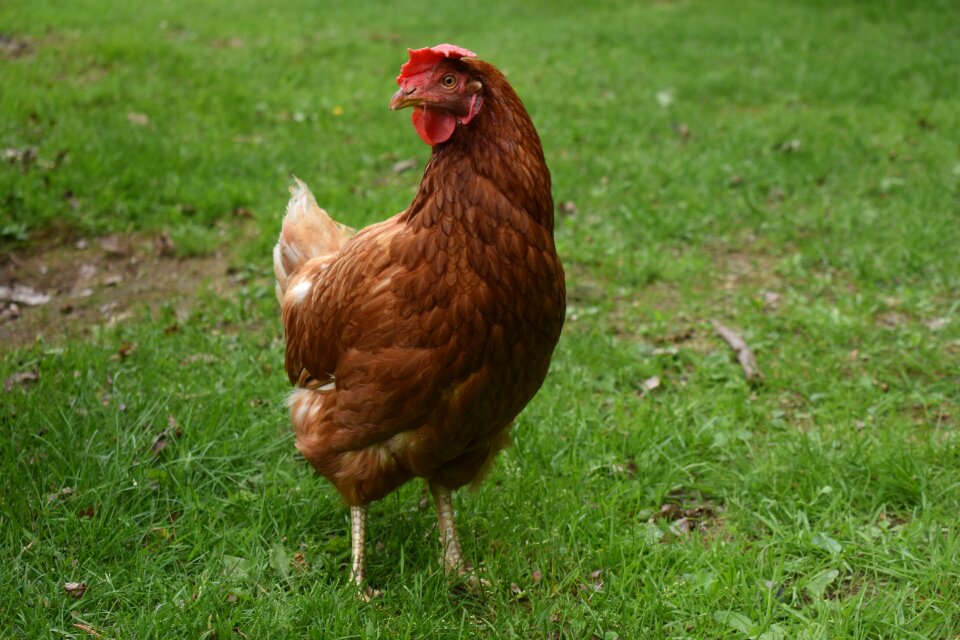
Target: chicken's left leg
453, 560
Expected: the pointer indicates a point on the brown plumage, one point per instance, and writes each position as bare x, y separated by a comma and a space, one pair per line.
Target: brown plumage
416, 342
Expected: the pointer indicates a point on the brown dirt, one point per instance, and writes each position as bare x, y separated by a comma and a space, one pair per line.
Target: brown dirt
101, 281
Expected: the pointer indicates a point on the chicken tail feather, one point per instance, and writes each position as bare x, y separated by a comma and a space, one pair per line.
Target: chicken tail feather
308, 232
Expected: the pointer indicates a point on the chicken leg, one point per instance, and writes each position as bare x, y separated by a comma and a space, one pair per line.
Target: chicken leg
453, 561
358, 537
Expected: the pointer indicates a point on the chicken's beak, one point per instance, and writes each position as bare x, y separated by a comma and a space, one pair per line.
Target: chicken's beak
405, 97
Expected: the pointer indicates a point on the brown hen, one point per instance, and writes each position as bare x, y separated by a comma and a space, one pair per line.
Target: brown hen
416, 342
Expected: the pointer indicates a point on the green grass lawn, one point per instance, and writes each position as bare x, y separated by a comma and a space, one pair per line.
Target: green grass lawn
791, 170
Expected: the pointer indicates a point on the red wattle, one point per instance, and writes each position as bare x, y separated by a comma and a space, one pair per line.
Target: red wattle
433, 125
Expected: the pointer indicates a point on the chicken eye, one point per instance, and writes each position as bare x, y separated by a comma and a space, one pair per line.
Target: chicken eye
449, 81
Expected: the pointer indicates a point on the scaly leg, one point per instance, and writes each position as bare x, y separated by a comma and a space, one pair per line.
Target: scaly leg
358, 536
424, 496
453, 561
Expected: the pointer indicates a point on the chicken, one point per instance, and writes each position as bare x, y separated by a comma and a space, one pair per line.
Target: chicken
415, 343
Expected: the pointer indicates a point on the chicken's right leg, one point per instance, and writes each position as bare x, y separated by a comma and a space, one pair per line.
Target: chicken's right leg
358, 537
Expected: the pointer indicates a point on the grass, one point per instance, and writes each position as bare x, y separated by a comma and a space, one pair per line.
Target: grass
790, 169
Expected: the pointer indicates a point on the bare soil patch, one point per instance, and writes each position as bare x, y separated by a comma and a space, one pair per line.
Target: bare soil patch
63, 290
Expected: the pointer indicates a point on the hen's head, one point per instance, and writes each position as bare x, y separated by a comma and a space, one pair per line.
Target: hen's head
441, 89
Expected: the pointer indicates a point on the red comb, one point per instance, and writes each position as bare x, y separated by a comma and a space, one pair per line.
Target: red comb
422, 59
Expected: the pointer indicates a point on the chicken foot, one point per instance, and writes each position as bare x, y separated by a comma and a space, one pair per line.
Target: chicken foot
453, 561
358, 537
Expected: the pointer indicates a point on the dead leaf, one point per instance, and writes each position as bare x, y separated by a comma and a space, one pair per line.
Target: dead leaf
163, 438
681, 526
163, 245
536, 576
14, 46
682, 130
937, 323
790, 146
891, 319
116, 319
404, 165
24, 295
22, 379
232, 598
665, 351
228, 43
75, 589
88, 629
669, 511
159, 443
684, 520
594, 586
649, 385
115, 246
74, 203
25, 157
125, 351
158, 536
138, 119
678, 336
84, 274
66, 492
112, 280
9, 312
198, 358
568, 208
769, 298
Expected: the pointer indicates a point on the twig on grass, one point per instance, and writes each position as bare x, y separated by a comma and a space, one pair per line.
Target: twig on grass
744, 355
